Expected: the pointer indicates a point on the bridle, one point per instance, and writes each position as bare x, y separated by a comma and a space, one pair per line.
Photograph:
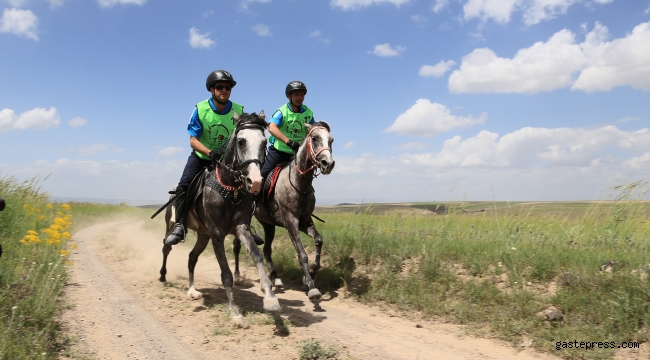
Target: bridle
311, 154
237, 165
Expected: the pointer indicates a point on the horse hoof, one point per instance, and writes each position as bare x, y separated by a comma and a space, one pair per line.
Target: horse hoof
314, 294
272, 304
194, 294
238, 280
239, 321
162, 279
278, 283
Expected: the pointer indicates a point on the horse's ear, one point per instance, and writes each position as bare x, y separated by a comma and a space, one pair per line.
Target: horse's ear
309, 126
262, 115
235, 117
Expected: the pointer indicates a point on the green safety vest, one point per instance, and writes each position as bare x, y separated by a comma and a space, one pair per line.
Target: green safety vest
293, 127
216, 128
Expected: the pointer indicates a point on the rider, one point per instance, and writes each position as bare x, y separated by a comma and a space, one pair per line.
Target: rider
287, 127
210, 127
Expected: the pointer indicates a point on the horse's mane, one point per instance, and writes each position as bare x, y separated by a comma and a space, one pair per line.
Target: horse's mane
244, 119
323, 124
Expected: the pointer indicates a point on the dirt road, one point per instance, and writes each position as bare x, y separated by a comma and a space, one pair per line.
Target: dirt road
119, 310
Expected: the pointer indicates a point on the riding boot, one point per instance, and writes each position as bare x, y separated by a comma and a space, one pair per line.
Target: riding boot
180, 229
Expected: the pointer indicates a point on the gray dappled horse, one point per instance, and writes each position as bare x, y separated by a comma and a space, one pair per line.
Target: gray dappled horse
228, 210
293, 201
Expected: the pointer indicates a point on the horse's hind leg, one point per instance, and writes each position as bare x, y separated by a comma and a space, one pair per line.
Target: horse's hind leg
271, 303
269, 235
318, 244
163, 270
201, 242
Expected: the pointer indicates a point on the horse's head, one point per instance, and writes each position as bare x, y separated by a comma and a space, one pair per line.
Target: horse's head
247, 147
319, 144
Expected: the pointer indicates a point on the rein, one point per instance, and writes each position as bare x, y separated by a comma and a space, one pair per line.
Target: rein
311, 155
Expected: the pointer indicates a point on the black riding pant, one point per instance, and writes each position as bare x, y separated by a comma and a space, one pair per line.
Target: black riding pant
194, 166
273, 158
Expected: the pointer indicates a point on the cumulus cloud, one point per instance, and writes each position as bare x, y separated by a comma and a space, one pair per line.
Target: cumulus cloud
623, 61
428, 119
437, 70
92, 149
198, 40
262, 30
439, 6
498, 10
111, 3
77, 122
540, 10
19, 22
532, 146
36, 119
554, 64
317, 35
639, 162
170, 151
357, 4
17, 3
385, 50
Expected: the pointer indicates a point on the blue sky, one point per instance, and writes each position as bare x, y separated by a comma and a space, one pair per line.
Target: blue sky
428, 100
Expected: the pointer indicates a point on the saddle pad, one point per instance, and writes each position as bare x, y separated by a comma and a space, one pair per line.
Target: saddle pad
269, 186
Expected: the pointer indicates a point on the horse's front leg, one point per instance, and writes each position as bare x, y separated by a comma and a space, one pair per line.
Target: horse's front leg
226, 277
269, 235
163, 270
271, 303
294, 234
236, 248
310, 230
201, 243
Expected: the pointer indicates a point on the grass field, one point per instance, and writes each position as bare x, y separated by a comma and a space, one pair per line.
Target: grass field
494, 266
490, 265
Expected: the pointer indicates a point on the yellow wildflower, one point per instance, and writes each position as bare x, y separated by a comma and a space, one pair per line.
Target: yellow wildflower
68, 262
60, 213
31, 232
60, 221
41, 217
49, 206
73, 246
65, 207
64, 252
66, 235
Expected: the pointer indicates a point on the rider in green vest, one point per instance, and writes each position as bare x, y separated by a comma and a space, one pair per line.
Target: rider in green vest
209, 128
287, 127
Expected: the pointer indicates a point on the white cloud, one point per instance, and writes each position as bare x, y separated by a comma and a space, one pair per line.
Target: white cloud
385, 50
37, 119
623, 61
647, 11
317, 34
198, 40
261, 30
440, 5
498, 10
603, 1
545, 66
438, 69
19, 22
92, 149
170, 151
639, 162
357, 4
628, 119
111, 3
77, 122
17, 3
531, 146
540, 10
348, 145
428, 119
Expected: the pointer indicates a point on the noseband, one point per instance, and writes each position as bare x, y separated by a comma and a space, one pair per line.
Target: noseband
235, 168
311, 155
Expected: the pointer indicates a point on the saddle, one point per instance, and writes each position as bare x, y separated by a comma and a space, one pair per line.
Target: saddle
271, 180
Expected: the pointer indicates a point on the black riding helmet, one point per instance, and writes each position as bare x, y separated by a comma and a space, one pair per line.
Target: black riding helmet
219, 75
295, 85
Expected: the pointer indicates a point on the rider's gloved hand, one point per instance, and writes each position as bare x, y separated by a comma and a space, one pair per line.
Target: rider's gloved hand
293, 145
215, 156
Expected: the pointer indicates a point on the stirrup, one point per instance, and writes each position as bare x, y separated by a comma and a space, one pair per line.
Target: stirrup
258, 240
177, 235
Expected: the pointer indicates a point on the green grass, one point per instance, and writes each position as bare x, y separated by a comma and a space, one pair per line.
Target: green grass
33, 266
494, 269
